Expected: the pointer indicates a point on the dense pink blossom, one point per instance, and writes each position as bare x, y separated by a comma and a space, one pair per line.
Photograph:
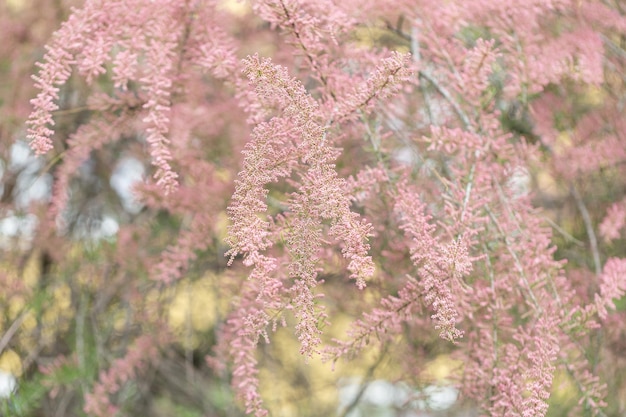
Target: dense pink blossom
614, 222
612, 285
144, 47
400, 178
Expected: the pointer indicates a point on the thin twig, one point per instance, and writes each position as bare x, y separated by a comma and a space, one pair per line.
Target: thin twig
310, 58
516, 260
494, 315
189, 374
73, 110
6, 338
416, 54
593, 241
468, 190
444, 92
581, 388
365, 384
563, 232
514, 218
613, 46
